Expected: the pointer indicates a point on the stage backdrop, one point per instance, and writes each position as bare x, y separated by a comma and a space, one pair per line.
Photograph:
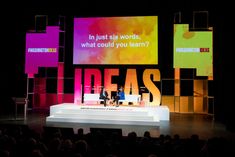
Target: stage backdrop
114, 51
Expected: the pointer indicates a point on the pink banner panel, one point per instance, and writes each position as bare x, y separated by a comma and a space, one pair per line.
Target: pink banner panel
60, 98
68, 98
78, 86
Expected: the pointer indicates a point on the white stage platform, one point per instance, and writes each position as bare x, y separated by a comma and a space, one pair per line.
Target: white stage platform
98, 114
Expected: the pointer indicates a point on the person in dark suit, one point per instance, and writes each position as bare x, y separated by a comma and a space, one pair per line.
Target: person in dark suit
104, 96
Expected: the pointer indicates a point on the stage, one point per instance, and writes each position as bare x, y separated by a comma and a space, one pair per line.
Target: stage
98, 114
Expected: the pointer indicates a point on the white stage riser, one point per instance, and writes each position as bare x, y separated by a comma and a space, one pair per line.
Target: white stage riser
95, 121
104, 116
162, 111
99, 114
102, 112
75, 108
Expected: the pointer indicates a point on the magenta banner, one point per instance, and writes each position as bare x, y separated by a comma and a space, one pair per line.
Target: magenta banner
42, 50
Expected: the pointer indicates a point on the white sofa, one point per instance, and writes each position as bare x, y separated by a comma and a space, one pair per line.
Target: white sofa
91, 98
95, 98
131, 98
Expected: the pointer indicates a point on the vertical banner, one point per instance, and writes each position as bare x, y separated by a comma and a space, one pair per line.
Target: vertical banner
41, 50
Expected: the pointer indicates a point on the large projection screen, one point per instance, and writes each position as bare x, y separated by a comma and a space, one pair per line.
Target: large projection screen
116, 40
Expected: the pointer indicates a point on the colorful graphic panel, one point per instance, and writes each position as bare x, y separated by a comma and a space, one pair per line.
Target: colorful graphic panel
116, 40
193, 49
42, 50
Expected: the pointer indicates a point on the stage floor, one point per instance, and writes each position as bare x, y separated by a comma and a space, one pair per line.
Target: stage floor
183, 124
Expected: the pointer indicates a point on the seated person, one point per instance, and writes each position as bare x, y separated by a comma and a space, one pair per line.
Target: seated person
120, 96
104, 95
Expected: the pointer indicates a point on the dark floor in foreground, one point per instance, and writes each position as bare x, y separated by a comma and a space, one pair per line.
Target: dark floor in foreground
183, 124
